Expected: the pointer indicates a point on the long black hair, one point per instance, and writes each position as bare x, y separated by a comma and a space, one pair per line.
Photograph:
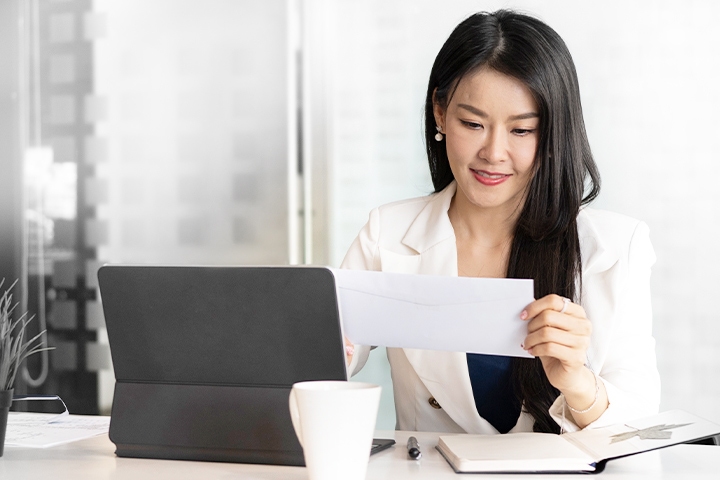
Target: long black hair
545, 245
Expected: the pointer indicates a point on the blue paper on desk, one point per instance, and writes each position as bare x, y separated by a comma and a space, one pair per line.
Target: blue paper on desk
458, 314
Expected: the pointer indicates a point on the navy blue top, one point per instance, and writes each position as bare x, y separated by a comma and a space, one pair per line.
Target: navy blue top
494, 397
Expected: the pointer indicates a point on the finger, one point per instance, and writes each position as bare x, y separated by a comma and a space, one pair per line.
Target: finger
560, 337
552, 302
349, 350
548, 302
564, 354
561, 321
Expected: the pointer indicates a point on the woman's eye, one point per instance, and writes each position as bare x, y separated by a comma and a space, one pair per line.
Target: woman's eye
523, 131
472, 125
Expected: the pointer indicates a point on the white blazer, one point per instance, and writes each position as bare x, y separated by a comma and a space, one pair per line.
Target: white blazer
432, 388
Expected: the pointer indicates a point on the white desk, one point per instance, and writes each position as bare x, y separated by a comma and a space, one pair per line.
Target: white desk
95, 459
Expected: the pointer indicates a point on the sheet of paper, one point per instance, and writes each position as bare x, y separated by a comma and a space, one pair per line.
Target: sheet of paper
459, 314
42, 430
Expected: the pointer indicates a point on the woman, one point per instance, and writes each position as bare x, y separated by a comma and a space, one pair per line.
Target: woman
511, 167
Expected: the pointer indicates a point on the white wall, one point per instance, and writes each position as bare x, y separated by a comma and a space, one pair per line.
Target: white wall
648, 73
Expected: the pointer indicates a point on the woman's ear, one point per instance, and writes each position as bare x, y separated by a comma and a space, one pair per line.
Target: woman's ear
438, 112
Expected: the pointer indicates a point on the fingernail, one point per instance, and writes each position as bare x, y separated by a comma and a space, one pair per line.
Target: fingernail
523, 315
349, 350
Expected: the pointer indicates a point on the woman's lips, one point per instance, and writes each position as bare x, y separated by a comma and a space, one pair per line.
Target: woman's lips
489, 178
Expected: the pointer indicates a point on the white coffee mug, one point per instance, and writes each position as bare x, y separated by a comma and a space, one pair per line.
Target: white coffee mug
334, 422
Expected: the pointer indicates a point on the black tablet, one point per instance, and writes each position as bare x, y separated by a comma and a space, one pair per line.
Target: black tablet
205, 357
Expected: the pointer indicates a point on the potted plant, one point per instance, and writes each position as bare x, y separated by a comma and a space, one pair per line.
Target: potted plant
13, 350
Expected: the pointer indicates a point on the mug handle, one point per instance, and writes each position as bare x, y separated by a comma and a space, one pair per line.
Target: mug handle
295, 415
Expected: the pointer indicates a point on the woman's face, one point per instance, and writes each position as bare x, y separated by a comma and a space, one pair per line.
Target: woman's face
491, 135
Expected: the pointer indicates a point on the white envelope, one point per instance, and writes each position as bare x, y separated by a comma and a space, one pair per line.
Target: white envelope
458, 314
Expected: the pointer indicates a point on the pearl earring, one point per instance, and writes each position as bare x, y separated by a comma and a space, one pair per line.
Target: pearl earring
438, 135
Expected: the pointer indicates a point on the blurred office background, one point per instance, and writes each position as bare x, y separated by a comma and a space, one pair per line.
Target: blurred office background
244, 132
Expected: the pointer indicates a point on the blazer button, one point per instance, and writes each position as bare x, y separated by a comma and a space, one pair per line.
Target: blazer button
434, 403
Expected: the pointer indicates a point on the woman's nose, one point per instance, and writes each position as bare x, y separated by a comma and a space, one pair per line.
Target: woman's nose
494, 148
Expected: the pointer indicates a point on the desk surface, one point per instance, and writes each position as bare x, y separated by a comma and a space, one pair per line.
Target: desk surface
95, 459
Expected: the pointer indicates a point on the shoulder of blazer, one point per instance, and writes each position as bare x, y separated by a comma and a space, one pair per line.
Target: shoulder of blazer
418, 223
407, 209
605, 238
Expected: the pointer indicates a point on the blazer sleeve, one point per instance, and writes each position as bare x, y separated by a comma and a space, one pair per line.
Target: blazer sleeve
362, 255
629, 371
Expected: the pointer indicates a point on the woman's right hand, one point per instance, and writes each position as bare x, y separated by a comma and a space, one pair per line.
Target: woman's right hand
349, 350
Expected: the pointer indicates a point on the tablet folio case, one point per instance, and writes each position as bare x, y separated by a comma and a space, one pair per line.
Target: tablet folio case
205, 357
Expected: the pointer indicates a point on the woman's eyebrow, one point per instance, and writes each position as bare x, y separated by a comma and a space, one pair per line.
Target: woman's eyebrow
481, 114
472, 109
524, 116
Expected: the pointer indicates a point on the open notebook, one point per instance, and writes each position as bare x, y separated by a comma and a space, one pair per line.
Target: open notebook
584, 451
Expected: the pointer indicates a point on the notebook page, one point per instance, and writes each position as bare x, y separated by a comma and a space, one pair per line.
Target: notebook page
665, 429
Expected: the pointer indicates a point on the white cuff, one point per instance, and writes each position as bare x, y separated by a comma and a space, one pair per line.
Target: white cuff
622, 407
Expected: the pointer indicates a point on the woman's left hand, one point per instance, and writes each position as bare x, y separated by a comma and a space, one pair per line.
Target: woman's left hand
559, 333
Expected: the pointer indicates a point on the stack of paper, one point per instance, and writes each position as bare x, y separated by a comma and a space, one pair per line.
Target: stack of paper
41, 430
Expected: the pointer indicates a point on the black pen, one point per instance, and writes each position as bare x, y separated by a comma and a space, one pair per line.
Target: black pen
413, 448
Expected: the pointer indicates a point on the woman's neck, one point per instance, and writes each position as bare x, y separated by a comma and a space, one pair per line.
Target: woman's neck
487, 227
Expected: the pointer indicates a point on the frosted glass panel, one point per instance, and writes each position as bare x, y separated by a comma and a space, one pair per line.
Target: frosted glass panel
62, 28
62, 109
190, 114
62, 68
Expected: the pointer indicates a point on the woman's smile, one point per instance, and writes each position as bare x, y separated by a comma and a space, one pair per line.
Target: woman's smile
489, 178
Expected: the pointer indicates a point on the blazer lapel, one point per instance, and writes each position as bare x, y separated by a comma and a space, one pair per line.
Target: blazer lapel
432, 225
